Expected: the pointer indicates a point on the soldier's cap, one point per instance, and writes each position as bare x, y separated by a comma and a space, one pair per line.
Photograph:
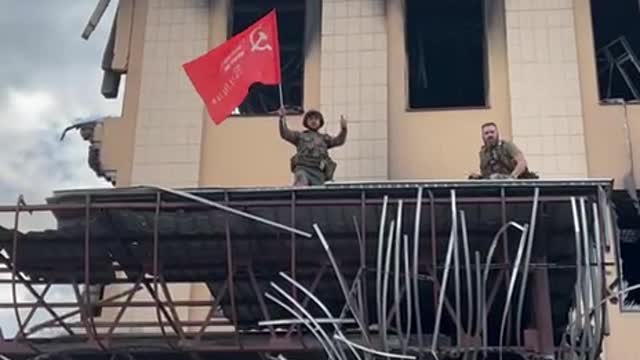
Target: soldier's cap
311, 113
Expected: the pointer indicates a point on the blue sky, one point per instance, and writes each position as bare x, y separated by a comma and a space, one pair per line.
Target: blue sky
49, 78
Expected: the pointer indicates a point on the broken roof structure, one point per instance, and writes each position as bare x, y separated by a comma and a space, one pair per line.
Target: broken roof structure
510, 269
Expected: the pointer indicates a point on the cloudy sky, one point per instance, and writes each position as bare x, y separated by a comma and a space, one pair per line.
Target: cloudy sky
49, 78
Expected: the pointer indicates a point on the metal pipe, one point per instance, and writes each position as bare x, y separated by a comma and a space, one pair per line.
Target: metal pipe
588, 284
383, 219
14, 268
156, 254
385, 287
480, 297
443, 287
525, 269
365, 280
467, 261
396, 276
83, 308
407, 278
456, 282
269, 203
416, 264
93, 334
230, 210
512, 284
305, 322
485, 275
293, 240
230, 272
282, 322
310, 317
434, 245
315, 299
598, 279
578, 286
372, 351
342, 282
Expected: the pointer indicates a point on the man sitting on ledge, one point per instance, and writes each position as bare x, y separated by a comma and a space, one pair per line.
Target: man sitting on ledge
500, 159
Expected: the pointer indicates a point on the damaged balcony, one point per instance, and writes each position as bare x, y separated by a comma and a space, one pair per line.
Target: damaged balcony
517, 261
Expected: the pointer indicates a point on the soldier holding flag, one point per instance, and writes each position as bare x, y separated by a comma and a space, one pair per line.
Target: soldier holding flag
312, 165
224, 75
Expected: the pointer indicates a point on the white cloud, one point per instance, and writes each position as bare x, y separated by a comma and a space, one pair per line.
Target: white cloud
30, 108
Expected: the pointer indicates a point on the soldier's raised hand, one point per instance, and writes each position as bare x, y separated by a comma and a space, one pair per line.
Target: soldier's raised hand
282, 112
343, 121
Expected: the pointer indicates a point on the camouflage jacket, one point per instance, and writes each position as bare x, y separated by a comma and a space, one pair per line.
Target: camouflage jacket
312, 148
498, 159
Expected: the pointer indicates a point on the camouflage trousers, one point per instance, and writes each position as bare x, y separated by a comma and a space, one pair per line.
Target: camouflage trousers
308, 176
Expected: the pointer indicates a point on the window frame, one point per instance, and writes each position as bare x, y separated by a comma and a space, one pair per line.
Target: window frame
602, 99
485, 66
305, 43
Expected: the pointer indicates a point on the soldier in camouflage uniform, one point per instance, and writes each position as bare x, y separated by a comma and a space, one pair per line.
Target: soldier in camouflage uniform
311, 165
501, 159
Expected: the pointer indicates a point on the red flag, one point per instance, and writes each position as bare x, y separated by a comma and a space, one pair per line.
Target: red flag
223, 76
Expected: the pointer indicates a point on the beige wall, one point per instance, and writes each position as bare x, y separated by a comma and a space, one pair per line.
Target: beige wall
442, 144
546, 106
604, 124
118, 134
354, 82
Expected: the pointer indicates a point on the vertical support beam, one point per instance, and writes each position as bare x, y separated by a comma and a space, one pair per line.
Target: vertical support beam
14, 268
434, 246
156, 270
230, 271
542, 310
84, 318
363, 258
293, 244
92, 331
505, 245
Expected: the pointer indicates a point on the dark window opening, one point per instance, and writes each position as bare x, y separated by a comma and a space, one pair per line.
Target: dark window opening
447, 54
629, 253
616, 31
264, 99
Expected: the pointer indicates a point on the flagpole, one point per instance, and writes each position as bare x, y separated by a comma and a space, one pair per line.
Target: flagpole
281, 96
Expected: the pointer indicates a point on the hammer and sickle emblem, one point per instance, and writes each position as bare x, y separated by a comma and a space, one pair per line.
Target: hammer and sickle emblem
259, 41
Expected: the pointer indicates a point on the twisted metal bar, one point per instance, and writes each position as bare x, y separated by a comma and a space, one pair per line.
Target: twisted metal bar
306, 323
379, 263
467, 263
396, 275
485, 275
385, 288
316, 300
445, 278
308, 316
343, 285
230, 210
527, 260
416, 254
512, 284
